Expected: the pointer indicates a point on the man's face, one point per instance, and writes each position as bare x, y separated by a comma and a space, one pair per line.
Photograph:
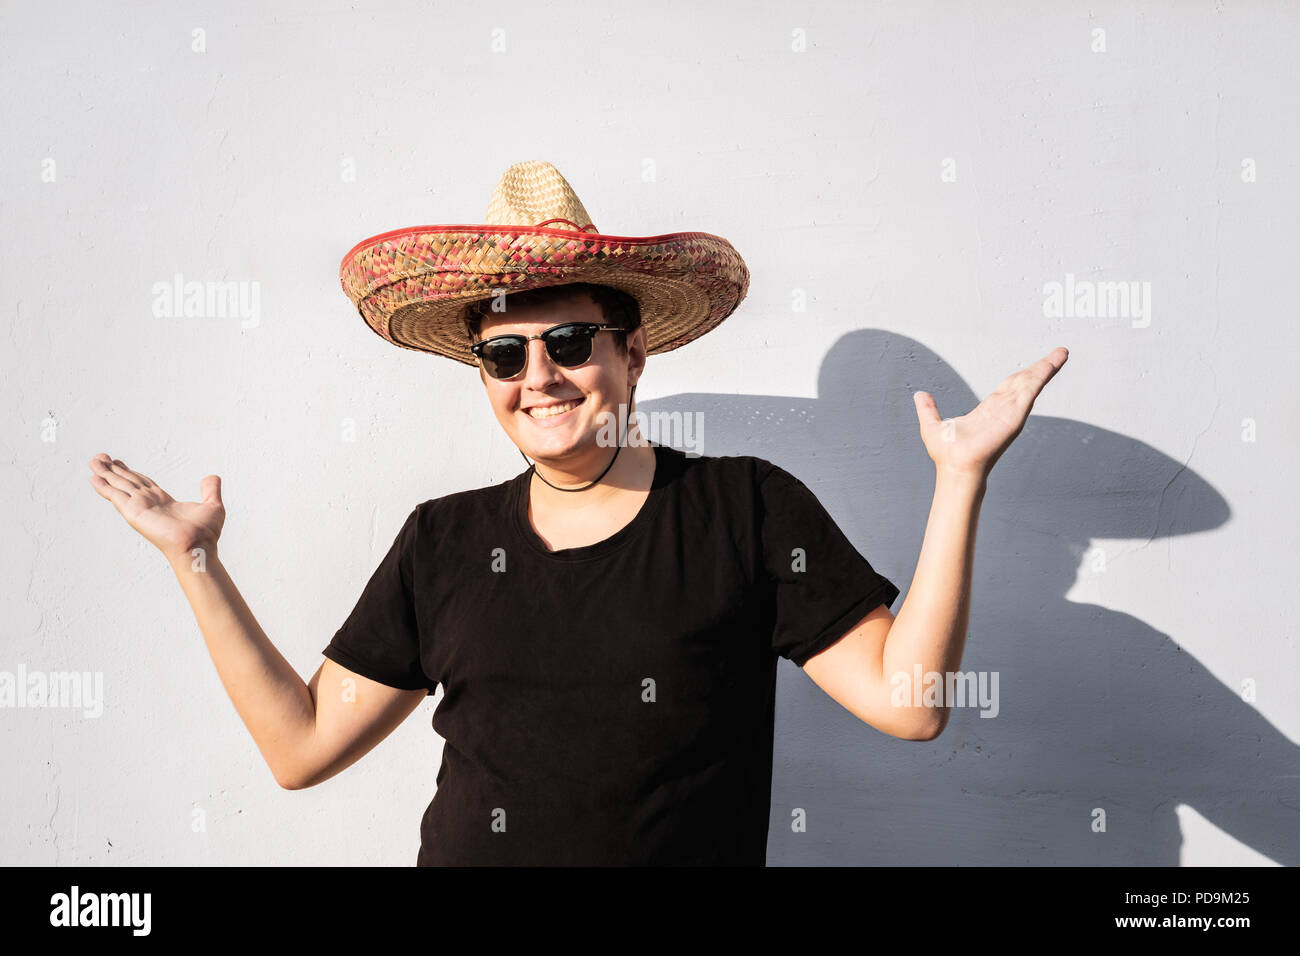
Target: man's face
599, 386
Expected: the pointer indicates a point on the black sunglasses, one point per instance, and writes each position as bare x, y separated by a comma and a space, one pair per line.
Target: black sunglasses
568, 345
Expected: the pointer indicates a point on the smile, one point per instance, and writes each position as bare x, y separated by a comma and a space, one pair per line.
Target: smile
554, 411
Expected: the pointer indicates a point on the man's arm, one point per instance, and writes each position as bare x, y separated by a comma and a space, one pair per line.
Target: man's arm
353, 714
930, 629
306, 733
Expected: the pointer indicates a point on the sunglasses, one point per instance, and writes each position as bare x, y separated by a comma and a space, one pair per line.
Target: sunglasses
568, 345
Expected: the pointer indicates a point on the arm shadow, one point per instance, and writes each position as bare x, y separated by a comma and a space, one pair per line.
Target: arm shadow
1096, 709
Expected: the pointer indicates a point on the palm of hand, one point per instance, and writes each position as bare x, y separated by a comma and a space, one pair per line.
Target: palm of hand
174, 527
972, 443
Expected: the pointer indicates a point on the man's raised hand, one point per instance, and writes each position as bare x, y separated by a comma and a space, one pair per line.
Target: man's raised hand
173, 527
972, 443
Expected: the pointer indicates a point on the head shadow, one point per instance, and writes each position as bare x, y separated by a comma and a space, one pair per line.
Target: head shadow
1098, 711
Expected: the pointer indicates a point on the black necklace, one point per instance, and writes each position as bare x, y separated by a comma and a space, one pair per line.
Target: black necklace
533, 467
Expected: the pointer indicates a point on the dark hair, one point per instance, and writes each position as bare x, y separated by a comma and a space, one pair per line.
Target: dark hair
619, 308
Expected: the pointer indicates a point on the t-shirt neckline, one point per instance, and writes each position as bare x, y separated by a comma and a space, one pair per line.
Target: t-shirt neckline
664, 461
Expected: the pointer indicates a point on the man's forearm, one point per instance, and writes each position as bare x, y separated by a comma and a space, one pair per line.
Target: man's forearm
930, 628
271, 698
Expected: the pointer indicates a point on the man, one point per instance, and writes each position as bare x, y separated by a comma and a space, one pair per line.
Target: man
605, 625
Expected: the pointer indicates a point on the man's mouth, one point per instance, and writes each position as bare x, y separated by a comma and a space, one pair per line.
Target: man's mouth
551, 411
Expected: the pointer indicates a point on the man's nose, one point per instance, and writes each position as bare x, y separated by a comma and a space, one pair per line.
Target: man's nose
541, 370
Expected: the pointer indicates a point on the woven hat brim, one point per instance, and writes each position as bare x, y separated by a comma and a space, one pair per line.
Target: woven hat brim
412, 285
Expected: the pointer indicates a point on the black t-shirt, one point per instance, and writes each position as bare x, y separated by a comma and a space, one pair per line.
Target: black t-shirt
609, 704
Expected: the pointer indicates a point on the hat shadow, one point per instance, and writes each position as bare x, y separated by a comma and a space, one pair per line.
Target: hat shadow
1096, 708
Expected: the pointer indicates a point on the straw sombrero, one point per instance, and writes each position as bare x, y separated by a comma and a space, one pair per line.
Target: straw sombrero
412, 285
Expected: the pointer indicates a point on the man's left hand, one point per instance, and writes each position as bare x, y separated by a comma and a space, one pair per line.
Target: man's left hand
972, 444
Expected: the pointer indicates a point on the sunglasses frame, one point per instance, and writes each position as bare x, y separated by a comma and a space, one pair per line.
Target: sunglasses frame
477, 347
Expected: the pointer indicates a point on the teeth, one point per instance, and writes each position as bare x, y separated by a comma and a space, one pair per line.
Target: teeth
553, 410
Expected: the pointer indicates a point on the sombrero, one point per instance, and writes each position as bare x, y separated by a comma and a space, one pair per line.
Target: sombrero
411, 285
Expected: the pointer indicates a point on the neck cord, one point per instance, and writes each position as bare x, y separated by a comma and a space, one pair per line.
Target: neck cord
532, 466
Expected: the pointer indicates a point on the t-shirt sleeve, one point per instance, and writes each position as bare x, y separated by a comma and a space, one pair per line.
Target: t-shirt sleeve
381, 637
822, 586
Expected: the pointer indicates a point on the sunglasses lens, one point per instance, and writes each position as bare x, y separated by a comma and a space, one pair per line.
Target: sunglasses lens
503, 359
569, 345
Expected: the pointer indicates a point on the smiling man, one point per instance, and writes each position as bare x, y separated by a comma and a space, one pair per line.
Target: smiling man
606, 625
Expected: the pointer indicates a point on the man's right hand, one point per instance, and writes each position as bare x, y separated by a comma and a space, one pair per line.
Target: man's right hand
174, 527
306, 733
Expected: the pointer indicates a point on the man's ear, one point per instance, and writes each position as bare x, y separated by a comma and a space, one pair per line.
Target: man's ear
636, 354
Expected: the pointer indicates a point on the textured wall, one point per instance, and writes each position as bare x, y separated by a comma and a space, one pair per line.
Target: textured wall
906, 183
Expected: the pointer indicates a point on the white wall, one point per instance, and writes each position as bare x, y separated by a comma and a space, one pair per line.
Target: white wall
1134, 565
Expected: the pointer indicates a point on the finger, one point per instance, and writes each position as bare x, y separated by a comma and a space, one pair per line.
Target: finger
210, 490
926, 410
141, 480
104, 467
119, 498
1030, 381
1051, 363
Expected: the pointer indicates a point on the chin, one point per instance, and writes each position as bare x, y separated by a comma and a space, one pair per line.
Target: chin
553, 447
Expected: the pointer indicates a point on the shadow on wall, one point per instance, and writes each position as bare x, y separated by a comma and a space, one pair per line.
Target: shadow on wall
1095, 708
